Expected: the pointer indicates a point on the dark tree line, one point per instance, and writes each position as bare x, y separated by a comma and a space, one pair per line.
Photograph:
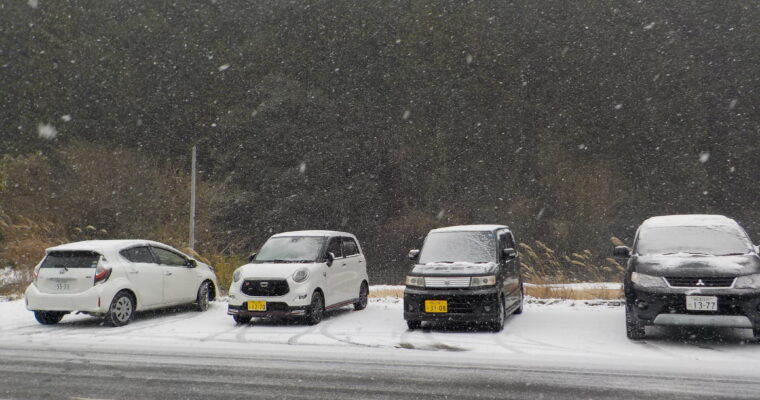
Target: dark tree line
570, 121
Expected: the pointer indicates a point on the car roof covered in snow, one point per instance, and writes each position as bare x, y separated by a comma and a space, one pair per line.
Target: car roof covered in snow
689, 220
104, 246
314, 233
470, 228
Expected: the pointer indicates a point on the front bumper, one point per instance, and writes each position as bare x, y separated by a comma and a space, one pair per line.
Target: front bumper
667, 306
89, 301
274, 309
464, 305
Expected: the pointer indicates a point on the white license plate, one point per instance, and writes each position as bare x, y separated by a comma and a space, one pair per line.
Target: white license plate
702, 303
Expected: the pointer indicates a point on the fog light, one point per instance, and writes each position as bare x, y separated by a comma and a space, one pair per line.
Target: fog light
642, 305
409, 307
487, 308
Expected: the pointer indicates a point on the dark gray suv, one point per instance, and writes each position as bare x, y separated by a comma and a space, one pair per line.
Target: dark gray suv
691, 270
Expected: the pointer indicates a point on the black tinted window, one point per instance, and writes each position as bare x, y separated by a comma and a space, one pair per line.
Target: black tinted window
349, 247
71, 259
138, 255
167, 257
335, 247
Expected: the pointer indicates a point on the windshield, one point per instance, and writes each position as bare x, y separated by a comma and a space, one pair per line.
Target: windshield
692, 240
291, 249
475, 247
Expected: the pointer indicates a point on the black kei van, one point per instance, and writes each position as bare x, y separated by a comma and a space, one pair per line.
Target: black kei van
464, 274
691, 270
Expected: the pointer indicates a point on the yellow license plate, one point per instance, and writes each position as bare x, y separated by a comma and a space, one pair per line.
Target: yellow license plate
436, 306
257, 306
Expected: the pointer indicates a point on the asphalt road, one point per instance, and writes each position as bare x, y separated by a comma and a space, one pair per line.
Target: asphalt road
84, 372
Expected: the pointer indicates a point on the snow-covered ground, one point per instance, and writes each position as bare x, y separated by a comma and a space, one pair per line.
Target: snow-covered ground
568, 333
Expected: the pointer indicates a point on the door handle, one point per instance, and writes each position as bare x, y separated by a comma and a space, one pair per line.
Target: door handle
167, 273
134, 272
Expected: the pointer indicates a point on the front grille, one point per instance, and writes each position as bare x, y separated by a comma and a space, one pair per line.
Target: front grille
700, 282
265, 287
463, 304
447, 282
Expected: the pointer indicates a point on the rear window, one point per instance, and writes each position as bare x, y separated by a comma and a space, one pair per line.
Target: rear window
71, 259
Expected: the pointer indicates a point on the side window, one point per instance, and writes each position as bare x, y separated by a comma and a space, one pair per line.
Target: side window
349, 247
506, 241
140, 254
335, 247
167, 257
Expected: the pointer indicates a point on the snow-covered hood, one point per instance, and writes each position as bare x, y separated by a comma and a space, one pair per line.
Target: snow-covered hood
274, 270
455, 269
697, 266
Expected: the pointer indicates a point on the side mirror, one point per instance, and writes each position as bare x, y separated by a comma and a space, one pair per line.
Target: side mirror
413, 254
252, 257
330, 258
757, 249
510, 253
191, 263
622, 252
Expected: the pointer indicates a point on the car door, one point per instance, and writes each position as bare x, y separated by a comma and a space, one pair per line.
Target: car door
146, 276
334, 276
354, 265
509, 268
180, 280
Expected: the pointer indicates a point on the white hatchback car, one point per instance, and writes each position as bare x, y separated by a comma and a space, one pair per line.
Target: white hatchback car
300, 273
115, 278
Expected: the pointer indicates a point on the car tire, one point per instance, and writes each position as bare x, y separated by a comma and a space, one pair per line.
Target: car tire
498, 324
316, 309
413, 324
48, 317
363, 295
241, 319
202, 298
634, 329
122, 309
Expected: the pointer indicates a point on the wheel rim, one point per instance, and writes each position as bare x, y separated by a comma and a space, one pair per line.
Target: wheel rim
122, 309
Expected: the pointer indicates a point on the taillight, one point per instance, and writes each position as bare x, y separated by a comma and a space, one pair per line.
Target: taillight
102, 273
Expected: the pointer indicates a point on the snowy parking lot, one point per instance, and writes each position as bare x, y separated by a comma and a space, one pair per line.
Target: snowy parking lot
587, 332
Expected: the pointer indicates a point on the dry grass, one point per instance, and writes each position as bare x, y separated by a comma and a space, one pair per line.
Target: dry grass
549, 292
539, 292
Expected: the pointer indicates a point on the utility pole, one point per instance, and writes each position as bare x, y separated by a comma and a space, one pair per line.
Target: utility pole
192, 203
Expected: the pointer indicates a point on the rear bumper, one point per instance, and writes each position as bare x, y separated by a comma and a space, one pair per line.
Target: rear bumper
464, 305
736, 308
90, 301
274, 309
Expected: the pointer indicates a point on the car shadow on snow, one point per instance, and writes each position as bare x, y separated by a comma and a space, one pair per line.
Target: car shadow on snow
82, 321
703, 337
298, 320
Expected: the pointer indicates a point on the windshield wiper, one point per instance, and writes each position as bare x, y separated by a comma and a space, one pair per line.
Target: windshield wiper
686, 252
731, 254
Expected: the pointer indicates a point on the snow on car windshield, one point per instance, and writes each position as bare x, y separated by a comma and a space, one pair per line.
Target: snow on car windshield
71, 259
291, 248
691, 239
459, 247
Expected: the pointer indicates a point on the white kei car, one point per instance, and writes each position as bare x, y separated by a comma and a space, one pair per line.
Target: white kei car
116, 278
302, 274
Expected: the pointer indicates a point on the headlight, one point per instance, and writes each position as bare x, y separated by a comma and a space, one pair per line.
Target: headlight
748, 282
483, 280
644, 280
301, 275
415, 281
236, 275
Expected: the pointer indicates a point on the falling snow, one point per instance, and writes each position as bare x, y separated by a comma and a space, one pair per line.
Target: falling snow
223, 67
704, 156
46, 131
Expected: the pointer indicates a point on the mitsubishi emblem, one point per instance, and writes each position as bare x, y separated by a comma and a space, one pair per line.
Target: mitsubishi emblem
264, 284
700, 283
447, 283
